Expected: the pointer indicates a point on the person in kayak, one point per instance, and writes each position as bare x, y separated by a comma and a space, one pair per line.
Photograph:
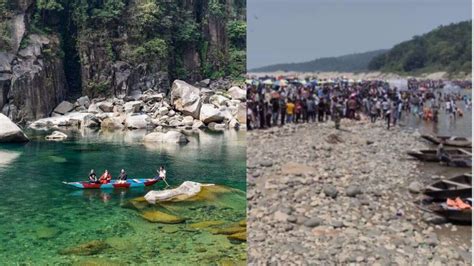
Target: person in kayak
122, 176
105, 177
162, 175
93, 177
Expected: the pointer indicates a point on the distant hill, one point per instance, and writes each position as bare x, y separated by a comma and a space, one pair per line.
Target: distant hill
447, 48
346, 63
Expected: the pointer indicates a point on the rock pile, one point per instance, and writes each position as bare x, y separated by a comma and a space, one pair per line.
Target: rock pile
354, 207
188, 107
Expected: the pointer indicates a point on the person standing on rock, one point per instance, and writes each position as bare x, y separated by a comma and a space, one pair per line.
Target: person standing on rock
290, 109
282, 105
162, 175
373, 111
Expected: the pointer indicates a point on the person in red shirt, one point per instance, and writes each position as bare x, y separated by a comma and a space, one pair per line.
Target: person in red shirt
105, 177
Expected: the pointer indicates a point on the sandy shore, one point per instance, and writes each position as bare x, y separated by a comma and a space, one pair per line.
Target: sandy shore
324, 197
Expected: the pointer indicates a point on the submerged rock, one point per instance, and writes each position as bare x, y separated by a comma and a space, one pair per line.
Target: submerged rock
9, 132
155, 216
57, 136
206, 224
229, 230
168, 137
241, 236
90, 248
46, 232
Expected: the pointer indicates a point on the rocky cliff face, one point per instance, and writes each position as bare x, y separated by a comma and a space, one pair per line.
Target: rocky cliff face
32, 80
58, 49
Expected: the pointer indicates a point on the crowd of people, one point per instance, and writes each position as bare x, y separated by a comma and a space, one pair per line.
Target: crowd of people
275, 101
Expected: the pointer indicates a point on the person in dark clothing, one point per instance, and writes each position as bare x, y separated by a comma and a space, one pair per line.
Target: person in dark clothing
93, 177
321, 110
275, 109
282, 105
122, 176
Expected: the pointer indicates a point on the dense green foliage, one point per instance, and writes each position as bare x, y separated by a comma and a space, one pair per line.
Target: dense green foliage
164, 34
345, 63
447, 48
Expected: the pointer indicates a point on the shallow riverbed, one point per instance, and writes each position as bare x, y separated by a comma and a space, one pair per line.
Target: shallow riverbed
39, 216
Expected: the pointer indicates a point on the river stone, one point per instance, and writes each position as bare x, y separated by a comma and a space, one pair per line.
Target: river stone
188, 120
198, 124
132, 107
84, 101
64, 107
229, 230
353, 190
168, 137
90, 248
90, 121
216, 126
106, 106
241, 113
57, 136
330, 191
415, 187
206, 224
209, 114
312, 222
112, 123
136, 121
10, 132
45, 232
241, 236
161, 217
185, 98
237, 93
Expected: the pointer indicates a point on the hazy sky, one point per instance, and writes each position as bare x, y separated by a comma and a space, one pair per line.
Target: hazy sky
286, 31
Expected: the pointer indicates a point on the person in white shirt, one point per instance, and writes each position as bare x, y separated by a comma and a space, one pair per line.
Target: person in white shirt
162, 175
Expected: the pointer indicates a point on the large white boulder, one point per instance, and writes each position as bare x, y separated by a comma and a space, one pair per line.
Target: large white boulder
84, 101
241, 114
71, 119
10, 132
237, 93
64, 107
185, 98
136, 121
106, 106
209, 113
184, 191
168, 137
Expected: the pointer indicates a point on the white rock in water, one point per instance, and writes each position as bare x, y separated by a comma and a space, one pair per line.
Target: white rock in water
10, 132
64, 107
237, 93
234, 123
185, 98
184, 191
168, 137
209, 114
198, 124
136, 121
57, 136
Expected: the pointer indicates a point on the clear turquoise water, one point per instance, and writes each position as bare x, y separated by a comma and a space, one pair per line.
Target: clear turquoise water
40, 216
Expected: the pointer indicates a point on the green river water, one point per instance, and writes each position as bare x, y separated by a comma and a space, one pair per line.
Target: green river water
40, 216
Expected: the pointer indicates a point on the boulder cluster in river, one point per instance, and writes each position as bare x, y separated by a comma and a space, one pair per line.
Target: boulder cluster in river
186, 107
315, 201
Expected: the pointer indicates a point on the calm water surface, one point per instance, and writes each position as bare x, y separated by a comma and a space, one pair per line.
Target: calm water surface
39, 215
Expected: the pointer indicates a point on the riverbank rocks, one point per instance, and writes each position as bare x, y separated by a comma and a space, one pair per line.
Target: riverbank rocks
209, 114
185, 98
57, 136
155, 216
112, 123
371, 220
64, 107
10, 132
415, 187
237, 93
168, 137
90, 248
241, 236
134, 121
